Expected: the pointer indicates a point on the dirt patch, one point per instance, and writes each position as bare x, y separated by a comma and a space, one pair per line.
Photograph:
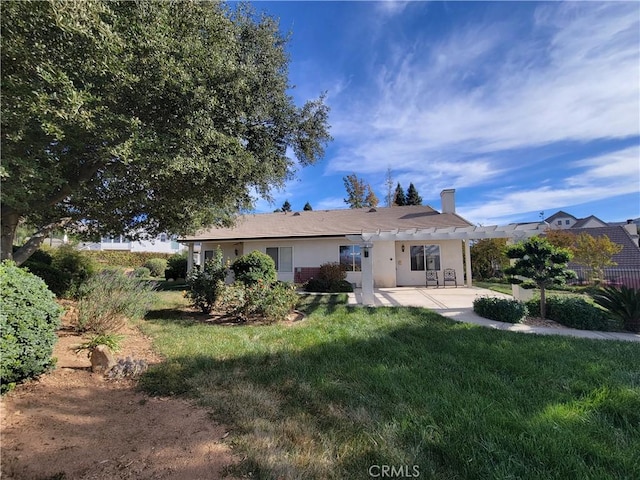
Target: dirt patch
74, 424
541, 322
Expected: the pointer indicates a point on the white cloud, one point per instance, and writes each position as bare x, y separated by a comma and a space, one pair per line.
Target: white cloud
471, 98
613, 174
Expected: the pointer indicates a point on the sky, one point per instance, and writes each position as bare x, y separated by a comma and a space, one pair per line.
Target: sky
524, 108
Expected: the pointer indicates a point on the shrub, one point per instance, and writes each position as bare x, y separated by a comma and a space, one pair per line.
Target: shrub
273, 302
71, 262
622, 303
176, 267
57, 281
28, 322
142, 272
108, 298
123, 259
331, 278
573, 312
156, 266
253, 267
205, 285
500, 309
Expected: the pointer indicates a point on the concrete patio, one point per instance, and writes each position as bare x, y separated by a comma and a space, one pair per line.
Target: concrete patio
457, 304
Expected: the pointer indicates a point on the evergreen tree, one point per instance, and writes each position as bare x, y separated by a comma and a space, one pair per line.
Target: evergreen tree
359, 193
413, 198
286, 206
307, 207
399, 199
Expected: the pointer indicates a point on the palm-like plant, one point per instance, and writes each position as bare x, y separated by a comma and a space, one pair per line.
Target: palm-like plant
623, 303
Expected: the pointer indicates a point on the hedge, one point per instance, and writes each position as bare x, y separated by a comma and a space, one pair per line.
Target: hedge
500, 309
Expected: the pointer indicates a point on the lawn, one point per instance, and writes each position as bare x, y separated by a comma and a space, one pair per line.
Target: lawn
350, 390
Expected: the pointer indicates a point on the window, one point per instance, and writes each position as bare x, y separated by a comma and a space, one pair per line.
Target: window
425, 257
350, 258
559, 222
208, 255
566, 222
282, 257
163, 237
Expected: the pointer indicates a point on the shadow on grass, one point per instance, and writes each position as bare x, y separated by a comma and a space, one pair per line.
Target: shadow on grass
310, 302
404, 386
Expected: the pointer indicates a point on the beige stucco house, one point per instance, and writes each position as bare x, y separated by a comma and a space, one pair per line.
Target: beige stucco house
379, 247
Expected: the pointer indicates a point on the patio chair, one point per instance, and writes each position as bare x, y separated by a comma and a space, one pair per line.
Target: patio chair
449, 276
432, 278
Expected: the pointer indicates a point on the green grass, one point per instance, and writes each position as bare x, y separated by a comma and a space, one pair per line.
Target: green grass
348, 388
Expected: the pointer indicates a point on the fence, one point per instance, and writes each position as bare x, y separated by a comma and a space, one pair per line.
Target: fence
629, 277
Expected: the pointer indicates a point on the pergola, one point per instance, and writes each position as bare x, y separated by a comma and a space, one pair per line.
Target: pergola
367, 240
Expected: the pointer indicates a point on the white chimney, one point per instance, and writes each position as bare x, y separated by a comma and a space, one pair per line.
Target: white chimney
448, 199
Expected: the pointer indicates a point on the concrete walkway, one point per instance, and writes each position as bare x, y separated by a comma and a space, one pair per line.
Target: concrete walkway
457, 304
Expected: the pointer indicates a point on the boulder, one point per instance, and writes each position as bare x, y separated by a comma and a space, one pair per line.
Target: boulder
102, 360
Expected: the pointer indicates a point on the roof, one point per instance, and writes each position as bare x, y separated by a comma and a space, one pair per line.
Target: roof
630, 254
583, 221
559, 214
330, 223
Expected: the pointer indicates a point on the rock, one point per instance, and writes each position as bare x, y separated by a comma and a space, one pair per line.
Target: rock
102, 360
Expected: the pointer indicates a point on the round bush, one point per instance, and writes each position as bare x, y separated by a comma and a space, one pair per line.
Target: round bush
176, 267
57, 281
156, 266
500, 309
573, 312
73, 263
142, 272
28, 322
253, 267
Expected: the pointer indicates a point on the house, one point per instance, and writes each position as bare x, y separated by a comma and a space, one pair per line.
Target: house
563, 220
163, 243
379, 247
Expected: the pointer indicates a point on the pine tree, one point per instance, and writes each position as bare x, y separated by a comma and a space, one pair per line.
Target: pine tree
307, 207
413, 198
286, 206
399, 199
359, 193
389, 184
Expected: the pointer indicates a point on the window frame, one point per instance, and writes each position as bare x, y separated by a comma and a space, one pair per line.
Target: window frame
279, 256
427, 257
356, 257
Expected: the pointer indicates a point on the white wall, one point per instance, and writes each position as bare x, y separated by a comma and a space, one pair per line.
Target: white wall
384, 264
450, 257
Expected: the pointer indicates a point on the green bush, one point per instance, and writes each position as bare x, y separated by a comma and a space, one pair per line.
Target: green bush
500, 309
331, 278
271, 302
124, 259
28, 322
176, 267
108, 298
75, 264
57, 281
573, 312
142, 272
156, 266
206, 285
622, 303
253, 267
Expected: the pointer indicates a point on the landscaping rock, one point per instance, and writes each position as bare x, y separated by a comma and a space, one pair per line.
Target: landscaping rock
102, 360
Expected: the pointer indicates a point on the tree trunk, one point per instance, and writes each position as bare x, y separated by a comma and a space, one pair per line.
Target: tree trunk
543, 303
9, 225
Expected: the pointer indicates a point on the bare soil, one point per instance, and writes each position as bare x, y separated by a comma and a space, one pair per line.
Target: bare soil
74, 424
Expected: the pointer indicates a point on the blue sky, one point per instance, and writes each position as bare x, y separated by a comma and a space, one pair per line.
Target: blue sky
522, 107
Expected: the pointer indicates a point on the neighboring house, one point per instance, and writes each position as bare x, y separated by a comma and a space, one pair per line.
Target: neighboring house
163, 243
563, 220
381, 247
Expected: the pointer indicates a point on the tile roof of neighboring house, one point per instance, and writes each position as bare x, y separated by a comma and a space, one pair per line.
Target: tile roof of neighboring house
630, 254
559, 214
583, 221
330, 223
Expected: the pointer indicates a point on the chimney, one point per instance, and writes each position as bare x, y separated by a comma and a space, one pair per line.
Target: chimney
448, 199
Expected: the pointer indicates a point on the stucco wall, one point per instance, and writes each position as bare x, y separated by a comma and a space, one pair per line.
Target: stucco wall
450, 257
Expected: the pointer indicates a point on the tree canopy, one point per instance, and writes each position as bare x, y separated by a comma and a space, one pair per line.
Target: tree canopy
359, 193
132, 117
541, 264
399, 197
413, 197
286, 206
307, 207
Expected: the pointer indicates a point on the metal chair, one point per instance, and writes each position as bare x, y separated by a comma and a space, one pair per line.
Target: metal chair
449, 276
432, 276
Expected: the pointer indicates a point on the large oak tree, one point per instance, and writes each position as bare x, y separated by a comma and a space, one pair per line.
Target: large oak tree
144, 117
